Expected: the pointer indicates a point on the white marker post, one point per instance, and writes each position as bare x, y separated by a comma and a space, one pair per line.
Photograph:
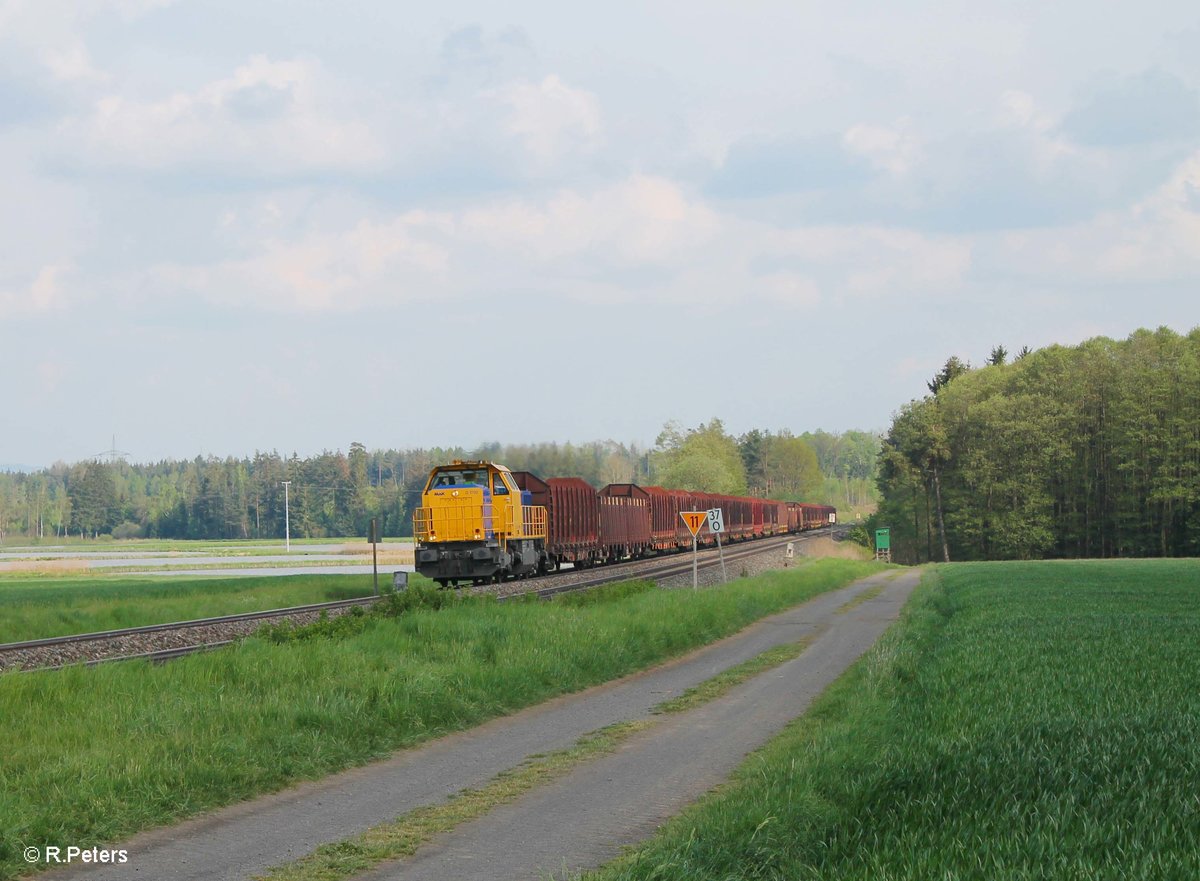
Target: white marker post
716, 524
694, 520
287, 518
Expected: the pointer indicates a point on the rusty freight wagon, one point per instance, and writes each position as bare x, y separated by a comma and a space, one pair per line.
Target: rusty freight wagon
664, 518
802, 516
624, 521
572, 517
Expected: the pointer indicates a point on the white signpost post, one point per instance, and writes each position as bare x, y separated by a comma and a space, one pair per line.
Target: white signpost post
716, 525
694, 520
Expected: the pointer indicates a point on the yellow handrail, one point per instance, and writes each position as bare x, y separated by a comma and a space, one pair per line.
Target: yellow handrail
445, 523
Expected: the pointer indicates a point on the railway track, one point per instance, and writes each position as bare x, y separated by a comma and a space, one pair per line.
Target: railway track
681, 564
157, 641
161, 642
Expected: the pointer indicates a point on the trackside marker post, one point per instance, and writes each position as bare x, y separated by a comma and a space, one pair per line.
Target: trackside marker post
694, 520
716, 525
374, 538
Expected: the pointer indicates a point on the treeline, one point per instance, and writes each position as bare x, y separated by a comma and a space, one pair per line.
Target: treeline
330, 494
337, 494
1086, 451
832, 469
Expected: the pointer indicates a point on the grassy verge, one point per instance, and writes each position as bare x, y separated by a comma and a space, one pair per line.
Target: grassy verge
91, 755
37, 608
1023, 721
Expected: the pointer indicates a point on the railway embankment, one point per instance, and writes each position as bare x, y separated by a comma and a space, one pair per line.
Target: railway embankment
156, 744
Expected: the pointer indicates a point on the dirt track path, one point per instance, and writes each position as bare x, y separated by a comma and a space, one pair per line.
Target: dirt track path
246, 839
583, 820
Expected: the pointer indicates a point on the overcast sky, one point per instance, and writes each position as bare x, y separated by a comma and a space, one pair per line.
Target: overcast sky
230, 226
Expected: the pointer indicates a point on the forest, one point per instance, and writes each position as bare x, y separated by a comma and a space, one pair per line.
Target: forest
336, 494
1070, 451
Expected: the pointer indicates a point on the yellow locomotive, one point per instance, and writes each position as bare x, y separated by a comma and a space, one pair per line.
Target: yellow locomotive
476, 525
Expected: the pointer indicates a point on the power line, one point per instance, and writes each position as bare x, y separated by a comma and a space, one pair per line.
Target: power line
112, 453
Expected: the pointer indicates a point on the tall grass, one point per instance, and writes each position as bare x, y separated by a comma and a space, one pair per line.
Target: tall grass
91, 755
1025, 721
41, 607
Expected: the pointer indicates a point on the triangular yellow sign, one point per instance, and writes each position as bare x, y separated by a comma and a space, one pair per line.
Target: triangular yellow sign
694, 519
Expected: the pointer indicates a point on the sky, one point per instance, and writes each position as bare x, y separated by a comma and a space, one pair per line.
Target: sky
252, 225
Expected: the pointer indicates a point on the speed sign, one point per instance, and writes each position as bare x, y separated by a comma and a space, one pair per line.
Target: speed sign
716, 520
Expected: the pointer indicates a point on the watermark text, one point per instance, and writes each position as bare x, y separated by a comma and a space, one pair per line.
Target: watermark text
53, 854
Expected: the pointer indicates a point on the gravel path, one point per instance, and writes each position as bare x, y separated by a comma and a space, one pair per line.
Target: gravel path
247, 839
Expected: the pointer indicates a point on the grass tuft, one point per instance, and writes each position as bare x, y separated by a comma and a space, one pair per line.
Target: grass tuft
713, 688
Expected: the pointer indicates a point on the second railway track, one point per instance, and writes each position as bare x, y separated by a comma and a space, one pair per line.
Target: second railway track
161, 642
158, 641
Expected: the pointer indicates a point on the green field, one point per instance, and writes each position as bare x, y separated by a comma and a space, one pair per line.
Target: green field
1024, 721
91, 755
32, 608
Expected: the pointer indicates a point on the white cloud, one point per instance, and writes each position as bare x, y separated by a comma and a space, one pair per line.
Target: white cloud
549, 117
72, 62
1155, 240
643, 238
52, 30
872, 261
639, 220
43, 294
268, 117
893, 150
376, 263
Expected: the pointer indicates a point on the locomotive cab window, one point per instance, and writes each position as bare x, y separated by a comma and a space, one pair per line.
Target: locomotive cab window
498, 487
460, 478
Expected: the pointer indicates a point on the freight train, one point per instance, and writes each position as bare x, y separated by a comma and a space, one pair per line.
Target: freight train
480, 522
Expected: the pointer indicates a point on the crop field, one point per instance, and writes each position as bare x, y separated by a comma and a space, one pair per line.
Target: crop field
32, 608
1024, 720
91, 755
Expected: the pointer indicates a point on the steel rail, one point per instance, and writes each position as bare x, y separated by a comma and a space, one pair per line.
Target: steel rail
157, 655
183, 625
